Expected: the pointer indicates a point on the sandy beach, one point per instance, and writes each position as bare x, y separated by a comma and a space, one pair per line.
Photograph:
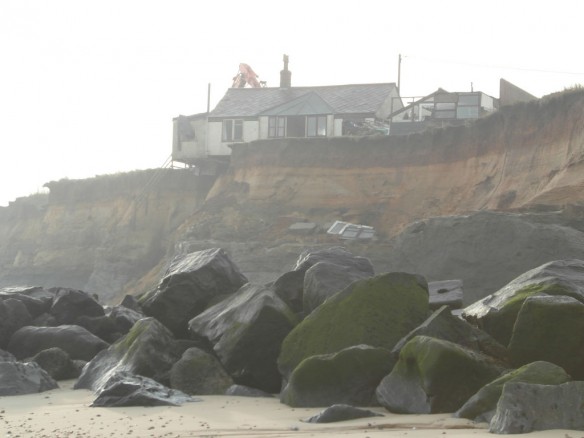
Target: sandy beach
66, 412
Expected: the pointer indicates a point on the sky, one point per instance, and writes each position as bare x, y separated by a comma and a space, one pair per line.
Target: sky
90, 87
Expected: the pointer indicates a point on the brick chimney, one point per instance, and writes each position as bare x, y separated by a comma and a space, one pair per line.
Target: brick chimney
285, 75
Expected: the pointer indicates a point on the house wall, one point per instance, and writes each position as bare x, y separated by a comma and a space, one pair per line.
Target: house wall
391, 104
185, 149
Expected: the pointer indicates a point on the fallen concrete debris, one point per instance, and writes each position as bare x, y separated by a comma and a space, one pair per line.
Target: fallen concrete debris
346, 230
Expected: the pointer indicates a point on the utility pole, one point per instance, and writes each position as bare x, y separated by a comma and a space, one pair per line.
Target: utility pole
399, 74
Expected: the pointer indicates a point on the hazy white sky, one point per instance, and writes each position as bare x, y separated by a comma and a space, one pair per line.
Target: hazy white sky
90, 87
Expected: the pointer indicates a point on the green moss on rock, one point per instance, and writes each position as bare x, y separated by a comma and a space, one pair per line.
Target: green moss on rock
482, 405
378, 311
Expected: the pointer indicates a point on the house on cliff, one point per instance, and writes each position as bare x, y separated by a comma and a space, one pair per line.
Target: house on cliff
248, 114
443, 108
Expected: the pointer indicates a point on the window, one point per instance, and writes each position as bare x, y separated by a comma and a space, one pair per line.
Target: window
468, 106
276, 127
316, 126
232, 130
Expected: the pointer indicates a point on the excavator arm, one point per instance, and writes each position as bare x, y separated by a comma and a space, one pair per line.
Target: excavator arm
244, 76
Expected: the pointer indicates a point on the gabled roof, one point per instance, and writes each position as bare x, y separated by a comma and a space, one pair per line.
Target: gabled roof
342, 99
309, 103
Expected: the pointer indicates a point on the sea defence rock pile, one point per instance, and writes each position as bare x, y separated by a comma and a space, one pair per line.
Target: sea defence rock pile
328, 333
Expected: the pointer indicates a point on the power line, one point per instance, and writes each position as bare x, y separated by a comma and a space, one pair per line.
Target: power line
444, 61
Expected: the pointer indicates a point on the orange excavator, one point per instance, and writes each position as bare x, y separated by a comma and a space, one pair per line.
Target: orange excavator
246, 75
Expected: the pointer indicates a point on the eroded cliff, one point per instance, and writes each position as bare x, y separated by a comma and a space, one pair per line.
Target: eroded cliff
100, 234
114, 234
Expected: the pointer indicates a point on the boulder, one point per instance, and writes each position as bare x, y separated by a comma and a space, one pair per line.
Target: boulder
101, 326
17, 378
527, 407
147, 350
290, 288
36, 299
124, 318
376, 311
70, 304
550, 328
199, 373
190, 284
337, 255
6, 356
13, 316
341, 412
442, 324
347, 377
246, 391
324, 279
75, 340
246, 331
45, 320
57, 363
481, 406
126, 389
496, 313
434, 376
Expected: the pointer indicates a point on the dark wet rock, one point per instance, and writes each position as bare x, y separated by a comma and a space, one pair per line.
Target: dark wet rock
442, 324
246, 391
199, 373
147, 350
70, 304
350, 376
57, 363
6, 356
45, 320
434, 376
324, 279
124, 318
126, 389
75, 340
13, 316
17, 378
481, 406
337, 255
496, 313
341, 412
527, 407
131, 302
290, 288
36, 299
550, 328
101, 326
246, 331
190, 284
377, 311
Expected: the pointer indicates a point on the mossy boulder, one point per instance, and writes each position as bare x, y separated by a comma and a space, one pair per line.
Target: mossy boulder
496, 313
199, 373
246, 331
442, 324
550, 328
147, 350
434, 376
377, 311
482, 405
347, 377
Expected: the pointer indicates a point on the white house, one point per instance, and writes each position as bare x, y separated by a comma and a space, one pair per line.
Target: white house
248, 114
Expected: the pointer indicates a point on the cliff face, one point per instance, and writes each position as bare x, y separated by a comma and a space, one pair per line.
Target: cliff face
520, 157
101, 234
113, 234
